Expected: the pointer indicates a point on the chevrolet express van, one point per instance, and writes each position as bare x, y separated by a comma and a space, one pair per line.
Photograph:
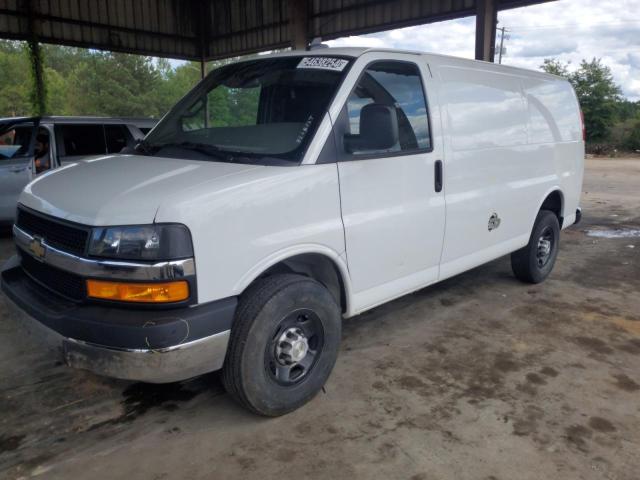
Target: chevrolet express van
283, 194
30, 146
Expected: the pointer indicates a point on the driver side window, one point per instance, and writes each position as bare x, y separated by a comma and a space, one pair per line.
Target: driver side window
394, 87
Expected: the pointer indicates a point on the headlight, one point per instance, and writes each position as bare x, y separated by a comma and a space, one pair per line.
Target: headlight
144, 242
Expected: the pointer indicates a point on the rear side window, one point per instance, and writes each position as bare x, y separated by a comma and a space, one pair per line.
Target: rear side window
397, 85
82, 139
116, 137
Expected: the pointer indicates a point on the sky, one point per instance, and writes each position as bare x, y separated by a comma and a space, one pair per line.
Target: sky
568, 30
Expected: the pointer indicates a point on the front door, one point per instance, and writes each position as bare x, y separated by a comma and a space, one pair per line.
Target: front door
393, 209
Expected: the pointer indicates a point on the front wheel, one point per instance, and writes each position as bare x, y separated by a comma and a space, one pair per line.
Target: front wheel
284, 344
534, 262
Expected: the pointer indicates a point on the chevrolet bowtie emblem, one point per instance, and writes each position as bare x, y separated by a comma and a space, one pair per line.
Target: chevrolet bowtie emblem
38, 247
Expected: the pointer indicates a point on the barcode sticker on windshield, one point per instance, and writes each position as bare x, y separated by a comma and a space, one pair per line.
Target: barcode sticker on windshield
324, 63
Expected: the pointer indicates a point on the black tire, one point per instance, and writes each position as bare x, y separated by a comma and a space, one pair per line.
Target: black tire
529, 264
253, 372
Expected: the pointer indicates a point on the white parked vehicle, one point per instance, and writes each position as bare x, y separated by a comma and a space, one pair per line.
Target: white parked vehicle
287, 192
31, 146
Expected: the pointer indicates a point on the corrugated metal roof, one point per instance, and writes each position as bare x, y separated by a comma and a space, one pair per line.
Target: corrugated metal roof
192, 29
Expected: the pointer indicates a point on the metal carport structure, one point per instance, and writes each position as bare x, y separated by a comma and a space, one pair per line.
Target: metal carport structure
205, 30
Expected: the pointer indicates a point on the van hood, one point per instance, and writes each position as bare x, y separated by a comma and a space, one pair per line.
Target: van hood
119, 189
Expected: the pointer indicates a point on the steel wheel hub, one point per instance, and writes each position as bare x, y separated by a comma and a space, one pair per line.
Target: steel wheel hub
291, 347
295, 347
545, 246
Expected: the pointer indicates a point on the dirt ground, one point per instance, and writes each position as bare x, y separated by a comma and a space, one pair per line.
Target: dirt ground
480, 377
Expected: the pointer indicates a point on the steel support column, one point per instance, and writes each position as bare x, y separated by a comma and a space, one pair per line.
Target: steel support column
299, 24
486, 23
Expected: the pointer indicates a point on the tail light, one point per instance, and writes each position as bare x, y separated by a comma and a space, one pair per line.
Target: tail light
584, 130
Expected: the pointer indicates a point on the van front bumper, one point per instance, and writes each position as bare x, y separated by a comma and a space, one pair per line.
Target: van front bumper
149, 345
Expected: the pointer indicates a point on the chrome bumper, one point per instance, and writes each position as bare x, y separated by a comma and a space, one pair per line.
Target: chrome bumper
164, 365
154, 366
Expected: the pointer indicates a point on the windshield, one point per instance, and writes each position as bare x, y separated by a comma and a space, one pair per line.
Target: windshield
14, 141
263, 111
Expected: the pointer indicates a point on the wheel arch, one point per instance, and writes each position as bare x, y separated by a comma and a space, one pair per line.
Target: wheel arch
553, 201
315, 261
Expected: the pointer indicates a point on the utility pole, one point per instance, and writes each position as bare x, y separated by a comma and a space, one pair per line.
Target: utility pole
503, 30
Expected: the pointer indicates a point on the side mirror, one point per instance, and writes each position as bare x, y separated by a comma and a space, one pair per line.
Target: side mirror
378, 129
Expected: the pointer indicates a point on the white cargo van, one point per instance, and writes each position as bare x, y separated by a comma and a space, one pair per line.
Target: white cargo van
287, 192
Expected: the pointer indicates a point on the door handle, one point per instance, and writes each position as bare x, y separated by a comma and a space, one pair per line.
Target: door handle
438, 175
17, 169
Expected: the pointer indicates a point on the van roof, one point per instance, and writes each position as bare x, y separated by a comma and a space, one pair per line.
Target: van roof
355, 52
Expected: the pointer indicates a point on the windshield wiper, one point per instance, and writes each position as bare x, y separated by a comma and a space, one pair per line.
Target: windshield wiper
145, 148
204, 148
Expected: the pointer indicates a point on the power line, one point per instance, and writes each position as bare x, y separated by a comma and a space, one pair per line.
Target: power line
568, 25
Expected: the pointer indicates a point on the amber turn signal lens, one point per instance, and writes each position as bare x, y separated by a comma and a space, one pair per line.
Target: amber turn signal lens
138, 292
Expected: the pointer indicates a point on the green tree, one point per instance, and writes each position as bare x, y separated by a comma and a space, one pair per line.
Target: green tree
245, 102
14, 80
598, 94
632, 141
174, 83
64, 59
556, 67
57, 97
113, 84
88, 82
628, 110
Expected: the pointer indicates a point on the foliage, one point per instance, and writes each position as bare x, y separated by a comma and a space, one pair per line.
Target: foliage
86, 82
14, 80
556, 67
38, 91
628, 110
599, 96
110, 84
632, 141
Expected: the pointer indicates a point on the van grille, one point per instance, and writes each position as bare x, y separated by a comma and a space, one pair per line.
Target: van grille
64, 236
63, 283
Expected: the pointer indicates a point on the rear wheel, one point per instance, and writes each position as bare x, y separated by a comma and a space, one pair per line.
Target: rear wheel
284, 343
534, 262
